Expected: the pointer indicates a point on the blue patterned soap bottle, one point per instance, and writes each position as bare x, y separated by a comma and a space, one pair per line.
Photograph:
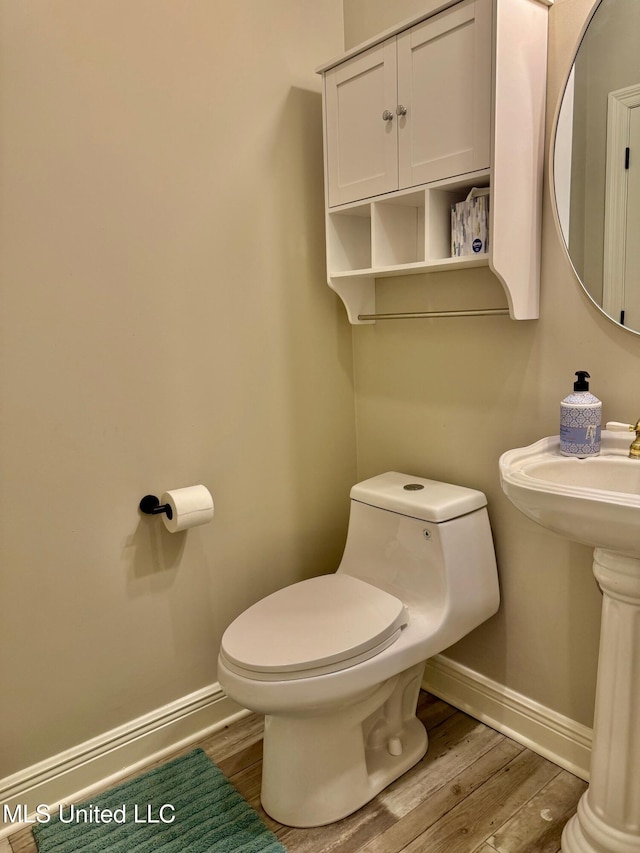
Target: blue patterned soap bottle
580, 420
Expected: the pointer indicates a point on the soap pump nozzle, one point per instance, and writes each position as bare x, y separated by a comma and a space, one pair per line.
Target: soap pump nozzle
581, 384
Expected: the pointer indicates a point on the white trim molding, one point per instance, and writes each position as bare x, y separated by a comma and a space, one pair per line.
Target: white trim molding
550, 734
101, 762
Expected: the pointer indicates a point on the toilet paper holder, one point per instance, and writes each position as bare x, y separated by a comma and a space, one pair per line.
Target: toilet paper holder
151, 505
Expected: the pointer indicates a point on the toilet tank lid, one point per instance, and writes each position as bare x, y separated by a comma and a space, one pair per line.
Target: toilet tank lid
428, 500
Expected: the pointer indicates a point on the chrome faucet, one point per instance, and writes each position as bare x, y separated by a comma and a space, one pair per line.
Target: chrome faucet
634, 448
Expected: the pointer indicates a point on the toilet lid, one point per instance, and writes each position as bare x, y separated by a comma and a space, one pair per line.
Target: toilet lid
314, 623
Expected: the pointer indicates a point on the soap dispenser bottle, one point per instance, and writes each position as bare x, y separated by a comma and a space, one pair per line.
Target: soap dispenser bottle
580, 420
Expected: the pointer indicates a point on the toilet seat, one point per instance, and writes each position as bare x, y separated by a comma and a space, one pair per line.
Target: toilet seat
319, 625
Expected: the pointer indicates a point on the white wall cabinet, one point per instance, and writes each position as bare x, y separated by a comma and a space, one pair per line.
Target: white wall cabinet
414, 120
413, 109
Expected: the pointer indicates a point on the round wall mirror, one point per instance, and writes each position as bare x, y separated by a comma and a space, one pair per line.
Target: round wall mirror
596, 161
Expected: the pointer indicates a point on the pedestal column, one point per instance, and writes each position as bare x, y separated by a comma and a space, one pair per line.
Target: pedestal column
608, 818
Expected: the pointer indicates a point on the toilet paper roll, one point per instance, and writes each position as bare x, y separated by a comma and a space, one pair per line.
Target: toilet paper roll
190, 507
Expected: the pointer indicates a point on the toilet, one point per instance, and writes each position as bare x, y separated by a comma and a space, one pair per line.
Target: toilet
335, 663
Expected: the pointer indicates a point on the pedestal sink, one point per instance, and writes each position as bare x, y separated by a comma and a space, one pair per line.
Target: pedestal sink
597, 501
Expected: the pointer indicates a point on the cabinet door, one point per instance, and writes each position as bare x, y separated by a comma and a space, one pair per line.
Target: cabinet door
362, 158
444, 81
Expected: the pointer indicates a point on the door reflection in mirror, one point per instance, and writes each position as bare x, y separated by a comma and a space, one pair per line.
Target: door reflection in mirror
596, 178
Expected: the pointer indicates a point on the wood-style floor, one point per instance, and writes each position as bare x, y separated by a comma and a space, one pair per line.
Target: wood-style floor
475, 790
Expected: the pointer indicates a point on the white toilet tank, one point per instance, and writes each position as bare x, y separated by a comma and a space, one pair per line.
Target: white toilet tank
426, 542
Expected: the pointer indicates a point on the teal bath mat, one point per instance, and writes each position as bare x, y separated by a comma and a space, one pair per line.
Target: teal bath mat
185, 806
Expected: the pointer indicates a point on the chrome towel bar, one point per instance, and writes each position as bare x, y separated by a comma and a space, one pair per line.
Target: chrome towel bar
424, 315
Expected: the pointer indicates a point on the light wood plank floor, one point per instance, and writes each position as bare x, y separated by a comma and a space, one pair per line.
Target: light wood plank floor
475, 790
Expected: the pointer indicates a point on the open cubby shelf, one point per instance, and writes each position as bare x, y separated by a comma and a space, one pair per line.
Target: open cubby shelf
401, 232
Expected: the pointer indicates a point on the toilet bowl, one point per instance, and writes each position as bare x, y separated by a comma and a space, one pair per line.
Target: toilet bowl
335, 663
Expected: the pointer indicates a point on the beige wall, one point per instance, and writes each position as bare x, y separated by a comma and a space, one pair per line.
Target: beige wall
444, 398
165, 321
364, 19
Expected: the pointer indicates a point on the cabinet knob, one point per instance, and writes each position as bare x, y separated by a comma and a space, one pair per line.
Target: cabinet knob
387, 115
401, 110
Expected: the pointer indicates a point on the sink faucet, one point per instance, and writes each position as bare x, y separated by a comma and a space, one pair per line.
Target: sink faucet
634, 448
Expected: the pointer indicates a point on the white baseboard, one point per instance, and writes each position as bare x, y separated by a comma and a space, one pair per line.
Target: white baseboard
101, 762
537, 727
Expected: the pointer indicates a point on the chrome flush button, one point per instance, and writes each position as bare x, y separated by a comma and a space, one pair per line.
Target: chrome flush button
415, 487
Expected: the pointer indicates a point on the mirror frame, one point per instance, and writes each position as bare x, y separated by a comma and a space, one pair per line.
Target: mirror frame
552, 171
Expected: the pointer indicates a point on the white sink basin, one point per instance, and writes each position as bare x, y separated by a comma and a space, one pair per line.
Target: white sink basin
595, 500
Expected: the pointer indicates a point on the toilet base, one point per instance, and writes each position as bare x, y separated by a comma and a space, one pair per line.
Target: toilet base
320, 768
